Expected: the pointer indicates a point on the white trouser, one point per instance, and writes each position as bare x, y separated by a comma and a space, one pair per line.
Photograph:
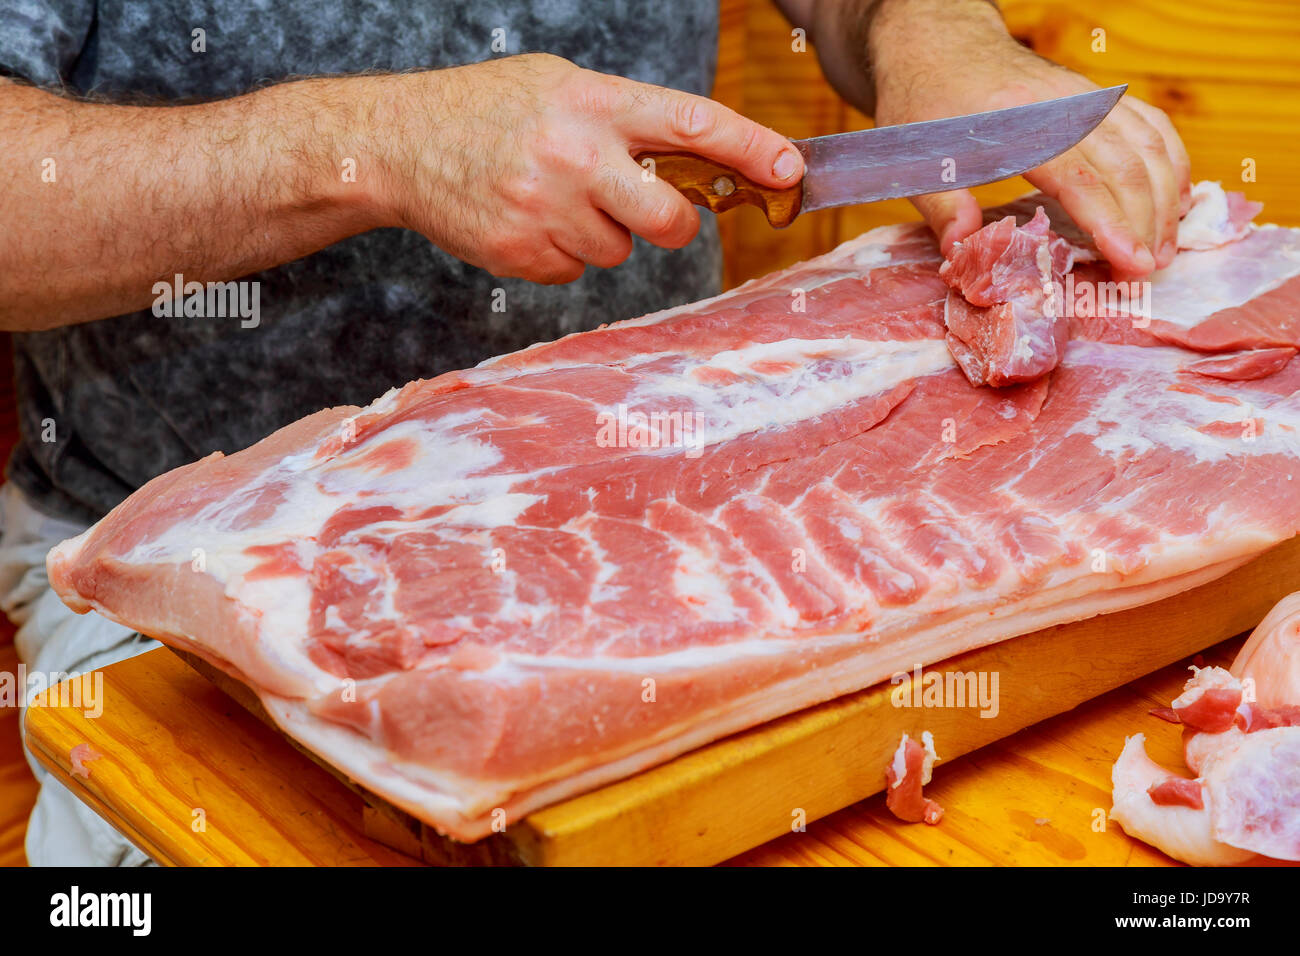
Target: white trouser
51, 639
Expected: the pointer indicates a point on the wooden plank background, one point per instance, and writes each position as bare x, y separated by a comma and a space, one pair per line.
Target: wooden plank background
1228, 74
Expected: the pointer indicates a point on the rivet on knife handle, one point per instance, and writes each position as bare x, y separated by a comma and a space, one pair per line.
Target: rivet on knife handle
720, 188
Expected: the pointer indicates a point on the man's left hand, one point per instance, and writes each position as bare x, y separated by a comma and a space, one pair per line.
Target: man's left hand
1127, 183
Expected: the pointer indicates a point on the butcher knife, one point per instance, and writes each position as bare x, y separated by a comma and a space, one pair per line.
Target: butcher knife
892, 161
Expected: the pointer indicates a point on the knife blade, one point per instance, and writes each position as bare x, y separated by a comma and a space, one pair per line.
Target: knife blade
889, 162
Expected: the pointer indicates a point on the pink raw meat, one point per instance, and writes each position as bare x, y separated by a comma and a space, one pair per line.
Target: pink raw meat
1242, 366
1209, 701
507, 585
78, 757
908, 772
1004, 316
1178, 792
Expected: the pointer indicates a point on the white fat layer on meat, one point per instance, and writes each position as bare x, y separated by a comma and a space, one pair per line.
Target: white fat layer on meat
1024, 350
820, 376
899, 765
681, 408
1043, 261
313, 493
1254, 788
1203, 679
1208, 222
315, 489
447, 455
495, 512
700, 657
695, 582
419, 790
850, 530
1199, 283
927, 765
1182, 832
603, 588
1121, 425
879, 248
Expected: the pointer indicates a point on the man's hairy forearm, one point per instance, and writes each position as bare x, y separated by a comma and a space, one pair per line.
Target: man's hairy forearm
862, 43
101, 201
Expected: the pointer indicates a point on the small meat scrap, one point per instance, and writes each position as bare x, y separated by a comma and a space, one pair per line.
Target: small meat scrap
81, 755
1005, 318
907, 773
1209, 701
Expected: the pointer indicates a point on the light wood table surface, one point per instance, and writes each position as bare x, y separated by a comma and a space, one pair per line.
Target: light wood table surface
174, 744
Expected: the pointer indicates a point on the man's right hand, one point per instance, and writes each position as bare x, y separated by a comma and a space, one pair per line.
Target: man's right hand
521, 165
524, 165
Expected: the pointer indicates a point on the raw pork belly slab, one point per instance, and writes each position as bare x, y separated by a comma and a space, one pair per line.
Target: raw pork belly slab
503, 586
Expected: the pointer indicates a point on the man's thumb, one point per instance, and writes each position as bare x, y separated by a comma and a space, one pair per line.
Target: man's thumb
952, 215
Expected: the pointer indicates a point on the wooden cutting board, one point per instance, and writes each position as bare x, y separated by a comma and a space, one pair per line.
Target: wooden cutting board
174, 744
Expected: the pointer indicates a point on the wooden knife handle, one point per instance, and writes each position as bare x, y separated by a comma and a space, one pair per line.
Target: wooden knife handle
720, 188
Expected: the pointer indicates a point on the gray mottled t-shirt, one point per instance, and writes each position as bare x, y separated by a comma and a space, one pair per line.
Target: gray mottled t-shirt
133, 396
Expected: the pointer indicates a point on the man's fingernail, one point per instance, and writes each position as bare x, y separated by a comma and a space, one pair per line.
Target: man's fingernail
1142, 256
785, 164
946, 239
1169, 250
